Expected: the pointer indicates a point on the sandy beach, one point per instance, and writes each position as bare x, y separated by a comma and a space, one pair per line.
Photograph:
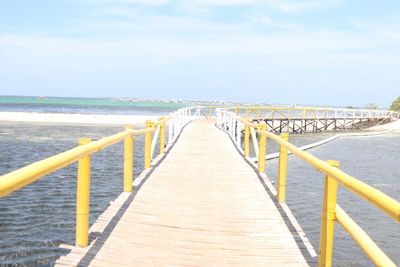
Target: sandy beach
395, 126
37, 117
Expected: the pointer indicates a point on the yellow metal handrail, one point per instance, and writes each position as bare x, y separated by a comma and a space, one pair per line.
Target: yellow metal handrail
367, 192
24, 176
331, 212
363, 240
333, 178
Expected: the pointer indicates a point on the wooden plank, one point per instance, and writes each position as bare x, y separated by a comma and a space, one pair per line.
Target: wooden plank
203, 205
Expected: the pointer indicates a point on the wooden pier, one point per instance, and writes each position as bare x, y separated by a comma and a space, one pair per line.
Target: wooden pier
315, 125
203, 204
313, 119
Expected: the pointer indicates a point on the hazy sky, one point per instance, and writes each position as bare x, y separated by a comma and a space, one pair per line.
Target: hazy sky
344, 52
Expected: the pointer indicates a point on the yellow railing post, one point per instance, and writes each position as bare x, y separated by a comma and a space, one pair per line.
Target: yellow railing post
147, 145
282, 169
83, 198
128, 162
328, 219
262, 147
246, 139
162, 136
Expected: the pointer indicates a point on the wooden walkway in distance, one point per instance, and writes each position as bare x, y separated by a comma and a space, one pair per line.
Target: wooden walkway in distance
204, 205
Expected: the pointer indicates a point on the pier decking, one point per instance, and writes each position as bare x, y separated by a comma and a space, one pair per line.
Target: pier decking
203, 205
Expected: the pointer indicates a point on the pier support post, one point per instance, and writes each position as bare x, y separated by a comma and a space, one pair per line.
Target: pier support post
162, 136
246, 139
128, 161
282, 169
147, 145
262, 147
328, 219
83, 198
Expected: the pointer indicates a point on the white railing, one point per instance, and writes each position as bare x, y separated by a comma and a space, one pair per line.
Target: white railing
232, 124
230, 120
278, 112
300, 114
178, 120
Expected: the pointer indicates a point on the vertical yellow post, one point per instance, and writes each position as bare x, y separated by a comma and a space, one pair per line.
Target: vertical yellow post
282, 169
328, 219
147, 145
246, 139
128, 162
82, 198
262, 147
162, 137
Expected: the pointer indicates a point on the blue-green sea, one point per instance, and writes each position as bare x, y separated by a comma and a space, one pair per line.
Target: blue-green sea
89, 105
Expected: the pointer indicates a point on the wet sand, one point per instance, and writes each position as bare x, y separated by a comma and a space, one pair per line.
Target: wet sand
395, 126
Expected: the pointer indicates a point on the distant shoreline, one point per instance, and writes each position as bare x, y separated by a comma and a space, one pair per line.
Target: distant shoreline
70, 118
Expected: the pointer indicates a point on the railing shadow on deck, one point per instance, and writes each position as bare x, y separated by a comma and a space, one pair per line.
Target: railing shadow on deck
232, 123
101, 238
154, 132
306, 250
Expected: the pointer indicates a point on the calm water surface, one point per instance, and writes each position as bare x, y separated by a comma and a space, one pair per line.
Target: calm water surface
87, 105
36, 219
374, 160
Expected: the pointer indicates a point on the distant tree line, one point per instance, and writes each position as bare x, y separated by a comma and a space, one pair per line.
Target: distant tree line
371, 106
396, 105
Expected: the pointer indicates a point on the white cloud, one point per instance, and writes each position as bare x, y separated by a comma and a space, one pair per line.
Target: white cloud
288, 6
167, 48
303, 5
131, 2
268, 21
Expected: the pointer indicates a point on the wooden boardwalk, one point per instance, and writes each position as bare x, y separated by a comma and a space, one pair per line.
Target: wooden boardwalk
204, 205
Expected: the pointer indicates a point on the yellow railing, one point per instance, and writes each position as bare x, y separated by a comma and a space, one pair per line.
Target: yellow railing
334, 177
24, 176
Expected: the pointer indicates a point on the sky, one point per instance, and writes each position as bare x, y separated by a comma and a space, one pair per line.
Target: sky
315, 52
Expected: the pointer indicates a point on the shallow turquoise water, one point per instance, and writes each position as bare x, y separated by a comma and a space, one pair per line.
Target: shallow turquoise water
87, 105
